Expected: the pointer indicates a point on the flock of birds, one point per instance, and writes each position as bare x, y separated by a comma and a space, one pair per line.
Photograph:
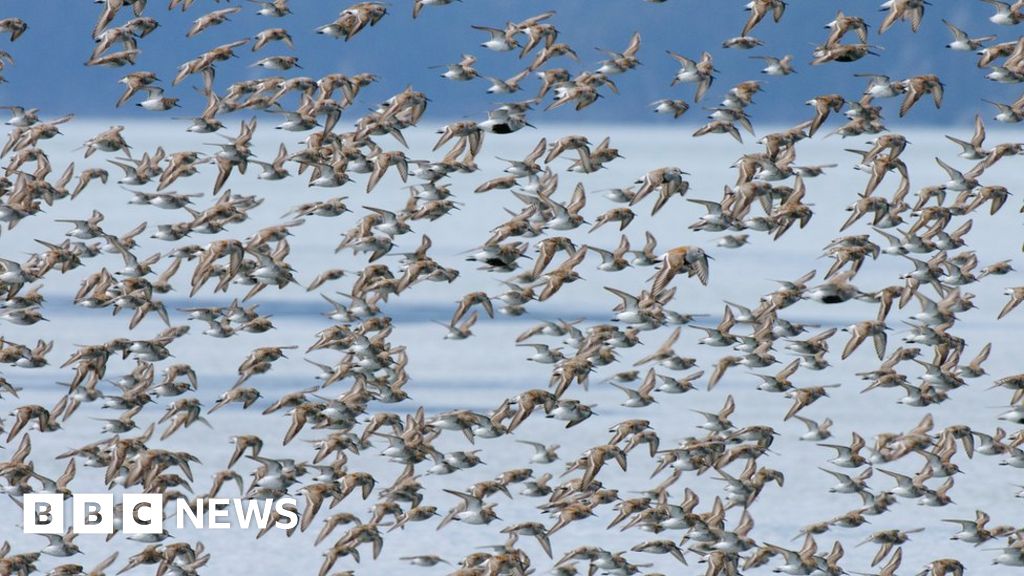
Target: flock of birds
358, 402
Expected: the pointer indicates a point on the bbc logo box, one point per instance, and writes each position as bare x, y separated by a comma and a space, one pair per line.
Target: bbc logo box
93, 514
144, 513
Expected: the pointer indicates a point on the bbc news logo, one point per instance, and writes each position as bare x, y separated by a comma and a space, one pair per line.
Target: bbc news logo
144, 514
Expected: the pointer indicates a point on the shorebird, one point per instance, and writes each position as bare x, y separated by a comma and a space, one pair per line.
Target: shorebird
963, 42
156, 101
1006, 14
777, 66
689, 259
692, 71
